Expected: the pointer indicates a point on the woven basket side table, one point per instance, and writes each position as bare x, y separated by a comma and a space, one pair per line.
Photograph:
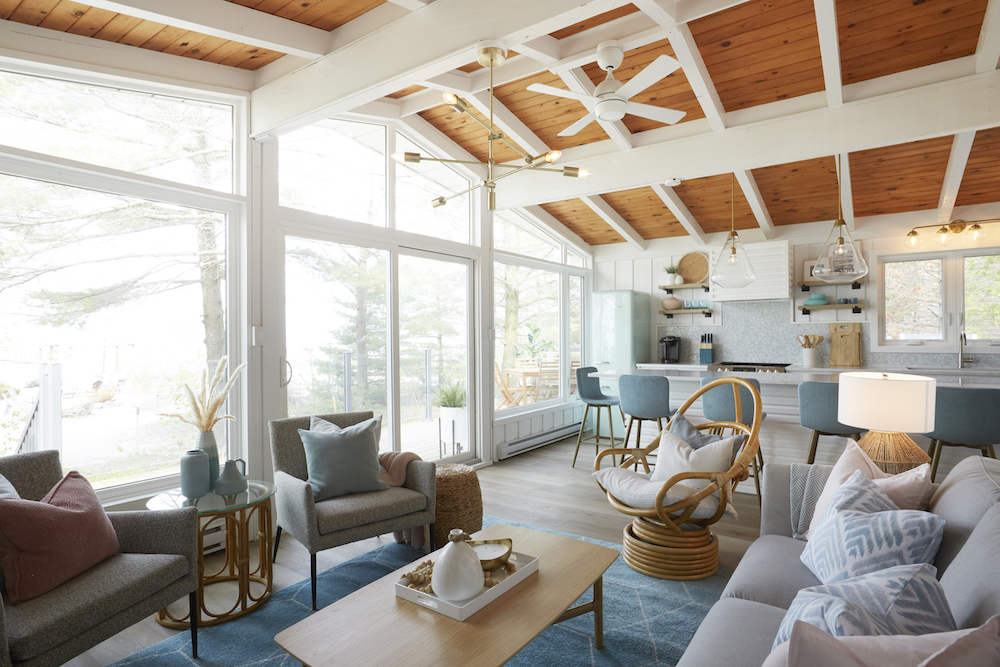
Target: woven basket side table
459, 501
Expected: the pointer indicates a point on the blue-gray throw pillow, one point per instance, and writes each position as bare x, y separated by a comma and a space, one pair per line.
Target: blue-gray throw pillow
858, 494
689, 433
850, 544
902, 600
343, 462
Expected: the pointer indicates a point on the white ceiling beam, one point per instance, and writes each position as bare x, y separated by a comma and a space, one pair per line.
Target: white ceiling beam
450, 82
552, 225
946, 109
632, 31
412, 5
70, 54
988, 49
545, 49
691, 10
829, 49
366, 24
505, 120
617, 223
687, 53
757, 204
663, 12
436, 39
846, 191
227, 20
961, 146
578, 81
425, 134
681, 212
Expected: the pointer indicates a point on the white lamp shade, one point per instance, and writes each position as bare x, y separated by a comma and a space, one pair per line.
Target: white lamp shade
890, 402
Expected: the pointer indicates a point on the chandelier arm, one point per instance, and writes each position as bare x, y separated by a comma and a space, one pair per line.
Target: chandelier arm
514, 148
435, 159
510, 173
463, 192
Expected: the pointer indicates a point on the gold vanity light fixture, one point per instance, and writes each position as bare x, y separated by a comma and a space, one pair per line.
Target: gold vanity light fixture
492, 54
733, 269
840, 259
945, 233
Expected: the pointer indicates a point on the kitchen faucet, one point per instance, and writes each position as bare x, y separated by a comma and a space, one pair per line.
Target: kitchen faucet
962, 359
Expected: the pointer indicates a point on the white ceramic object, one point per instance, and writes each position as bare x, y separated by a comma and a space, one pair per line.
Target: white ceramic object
678, 279
458, 573
809, 357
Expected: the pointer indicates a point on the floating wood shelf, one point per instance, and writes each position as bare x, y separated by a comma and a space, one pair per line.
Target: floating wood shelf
669, 289
806, 284
687, 311
855, 307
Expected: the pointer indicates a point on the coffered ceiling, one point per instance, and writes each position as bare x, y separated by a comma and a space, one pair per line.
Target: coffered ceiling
903, 92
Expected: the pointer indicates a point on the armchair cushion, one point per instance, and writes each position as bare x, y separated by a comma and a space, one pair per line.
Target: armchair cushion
676, 456
359, 509
48, 542
104, 590
638, 491
343, 462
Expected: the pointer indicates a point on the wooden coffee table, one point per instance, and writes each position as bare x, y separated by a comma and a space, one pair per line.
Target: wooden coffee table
373, 627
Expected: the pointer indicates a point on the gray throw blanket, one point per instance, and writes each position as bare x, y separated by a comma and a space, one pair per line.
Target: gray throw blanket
806, 485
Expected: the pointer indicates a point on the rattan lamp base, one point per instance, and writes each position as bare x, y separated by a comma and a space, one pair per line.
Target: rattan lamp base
893, 453
649, 547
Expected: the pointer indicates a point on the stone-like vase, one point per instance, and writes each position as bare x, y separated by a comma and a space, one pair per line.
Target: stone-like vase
206, 443
195, 481
232, 481
458, 572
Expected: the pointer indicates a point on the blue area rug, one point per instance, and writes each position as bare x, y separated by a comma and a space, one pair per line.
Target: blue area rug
647, 621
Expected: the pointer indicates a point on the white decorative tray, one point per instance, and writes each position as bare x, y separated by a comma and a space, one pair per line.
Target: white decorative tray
463, 609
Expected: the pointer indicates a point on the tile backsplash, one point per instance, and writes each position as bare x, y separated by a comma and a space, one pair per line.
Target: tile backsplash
762, 331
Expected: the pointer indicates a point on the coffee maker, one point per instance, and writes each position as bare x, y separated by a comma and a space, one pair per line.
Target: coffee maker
670, 350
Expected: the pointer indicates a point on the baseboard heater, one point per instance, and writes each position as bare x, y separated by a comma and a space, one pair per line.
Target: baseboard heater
532, 442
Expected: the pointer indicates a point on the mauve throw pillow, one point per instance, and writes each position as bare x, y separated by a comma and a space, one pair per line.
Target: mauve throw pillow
46, 543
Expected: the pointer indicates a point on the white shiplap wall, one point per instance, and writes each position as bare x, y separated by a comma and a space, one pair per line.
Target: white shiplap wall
804, 253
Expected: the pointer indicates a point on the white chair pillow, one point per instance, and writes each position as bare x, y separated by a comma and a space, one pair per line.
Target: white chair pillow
638, 491
675, 456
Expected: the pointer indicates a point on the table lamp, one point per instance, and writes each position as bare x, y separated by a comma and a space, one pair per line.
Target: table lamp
889, 405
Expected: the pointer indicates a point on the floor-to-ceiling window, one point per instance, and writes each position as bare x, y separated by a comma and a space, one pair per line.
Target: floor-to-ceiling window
117, 282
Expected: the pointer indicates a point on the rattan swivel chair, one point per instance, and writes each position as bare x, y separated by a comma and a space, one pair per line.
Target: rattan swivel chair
667, 541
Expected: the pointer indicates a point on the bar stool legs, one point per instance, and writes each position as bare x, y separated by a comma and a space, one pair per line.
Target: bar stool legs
597, 432
934, 449
815, 441
638, 434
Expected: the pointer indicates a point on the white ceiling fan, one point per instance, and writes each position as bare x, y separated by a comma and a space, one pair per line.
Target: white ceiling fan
610, 99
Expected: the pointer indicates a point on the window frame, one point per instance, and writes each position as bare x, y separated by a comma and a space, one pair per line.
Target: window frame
234, 205
953, 304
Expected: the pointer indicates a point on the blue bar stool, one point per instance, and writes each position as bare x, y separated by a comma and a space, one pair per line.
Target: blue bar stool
719, 405
644, 398
818, 403
965, 417
589, 390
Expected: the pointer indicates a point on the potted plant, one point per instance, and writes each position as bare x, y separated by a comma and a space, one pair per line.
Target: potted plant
454, 425
674, 277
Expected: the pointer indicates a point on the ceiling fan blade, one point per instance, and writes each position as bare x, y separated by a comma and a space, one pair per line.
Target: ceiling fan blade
662, 67
559, 92
578, 125
659, 114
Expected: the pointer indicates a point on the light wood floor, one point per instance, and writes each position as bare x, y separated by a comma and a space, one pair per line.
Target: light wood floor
537, 488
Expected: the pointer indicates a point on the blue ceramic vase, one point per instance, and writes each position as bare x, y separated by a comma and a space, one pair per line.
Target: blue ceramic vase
232, 481
195, 480
206, 443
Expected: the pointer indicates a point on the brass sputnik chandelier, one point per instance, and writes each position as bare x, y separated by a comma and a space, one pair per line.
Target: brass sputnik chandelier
492, 54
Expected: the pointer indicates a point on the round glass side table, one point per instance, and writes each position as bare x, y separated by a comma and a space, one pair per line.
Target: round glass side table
238, 515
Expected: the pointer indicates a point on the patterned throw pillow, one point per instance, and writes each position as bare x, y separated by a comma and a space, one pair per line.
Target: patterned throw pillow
638, 491
858, 494
850, 544
903, 600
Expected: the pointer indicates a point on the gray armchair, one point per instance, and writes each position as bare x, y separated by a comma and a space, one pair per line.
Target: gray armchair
344, 519
156, 564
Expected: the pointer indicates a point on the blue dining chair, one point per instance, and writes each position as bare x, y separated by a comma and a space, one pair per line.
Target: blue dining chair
644, 398
719, 405
964, 417
818, 402
589, 390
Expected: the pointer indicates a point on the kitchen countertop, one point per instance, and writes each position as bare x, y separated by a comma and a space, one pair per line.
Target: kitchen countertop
795, 375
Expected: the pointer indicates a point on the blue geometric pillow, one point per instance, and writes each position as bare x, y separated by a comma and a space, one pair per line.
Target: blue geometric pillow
850, 544
858, 494
903, 600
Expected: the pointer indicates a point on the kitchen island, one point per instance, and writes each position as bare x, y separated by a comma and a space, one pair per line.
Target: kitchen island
782, 438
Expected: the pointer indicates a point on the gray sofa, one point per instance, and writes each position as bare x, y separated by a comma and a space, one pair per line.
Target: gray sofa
742, 625
157, 563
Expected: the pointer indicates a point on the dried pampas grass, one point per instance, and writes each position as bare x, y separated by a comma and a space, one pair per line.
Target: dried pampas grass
205, 404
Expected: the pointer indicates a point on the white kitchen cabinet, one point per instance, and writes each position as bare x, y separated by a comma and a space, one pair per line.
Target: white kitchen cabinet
772, 262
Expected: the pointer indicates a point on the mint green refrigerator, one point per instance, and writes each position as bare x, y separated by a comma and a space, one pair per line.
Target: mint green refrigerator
621, 334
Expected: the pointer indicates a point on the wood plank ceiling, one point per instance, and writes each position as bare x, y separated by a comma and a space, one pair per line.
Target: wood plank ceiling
755, 53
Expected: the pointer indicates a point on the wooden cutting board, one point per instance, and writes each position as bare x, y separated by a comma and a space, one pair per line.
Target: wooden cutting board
845, 345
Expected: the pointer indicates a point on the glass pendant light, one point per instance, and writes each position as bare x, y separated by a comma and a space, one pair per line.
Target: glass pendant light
975, 234
733, 269
840, 259
943, 236
913, 239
